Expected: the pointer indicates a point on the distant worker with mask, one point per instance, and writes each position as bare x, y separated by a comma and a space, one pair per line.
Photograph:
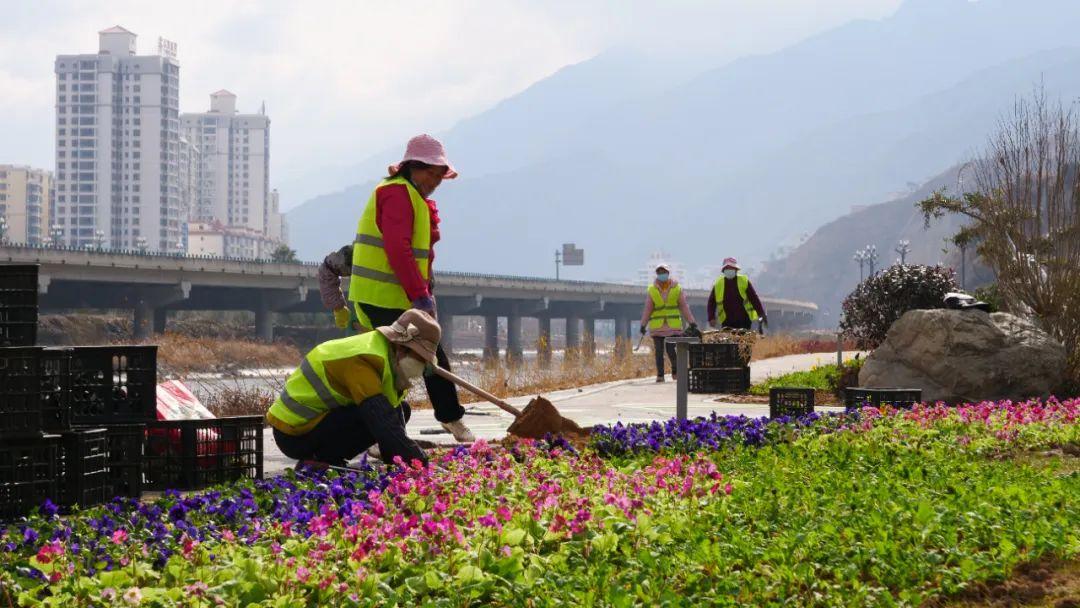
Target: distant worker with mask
393, 254
349, 394
733, 302
665, 311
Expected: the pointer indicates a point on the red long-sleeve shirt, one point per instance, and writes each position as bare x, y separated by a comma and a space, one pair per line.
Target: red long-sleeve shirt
394, 217
733, 304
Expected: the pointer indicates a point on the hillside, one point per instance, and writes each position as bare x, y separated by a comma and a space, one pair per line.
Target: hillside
822, 268
736, 160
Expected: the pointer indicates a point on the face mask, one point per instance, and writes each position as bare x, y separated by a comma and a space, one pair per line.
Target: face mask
411, 368
663, 277
730, 273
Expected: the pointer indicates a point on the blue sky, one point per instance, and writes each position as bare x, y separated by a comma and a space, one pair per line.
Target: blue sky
345, 79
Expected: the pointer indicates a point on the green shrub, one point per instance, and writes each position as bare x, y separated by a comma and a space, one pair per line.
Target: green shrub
821, 378
880, 300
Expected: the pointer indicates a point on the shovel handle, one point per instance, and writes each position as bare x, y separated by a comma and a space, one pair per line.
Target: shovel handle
476, 390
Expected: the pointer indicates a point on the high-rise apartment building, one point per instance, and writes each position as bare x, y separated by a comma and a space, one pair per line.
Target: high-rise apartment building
233, 179
117, 146
24, 204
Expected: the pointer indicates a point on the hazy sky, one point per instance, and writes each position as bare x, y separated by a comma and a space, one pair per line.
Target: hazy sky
342, 80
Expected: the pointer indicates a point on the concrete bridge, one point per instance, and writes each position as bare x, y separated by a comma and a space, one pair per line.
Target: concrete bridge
152, 284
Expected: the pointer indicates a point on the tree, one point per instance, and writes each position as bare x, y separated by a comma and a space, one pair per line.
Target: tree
1024, 215
284, 255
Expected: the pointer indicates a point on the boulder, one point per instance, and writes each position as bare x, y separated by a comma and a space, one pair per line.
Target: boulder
966, 355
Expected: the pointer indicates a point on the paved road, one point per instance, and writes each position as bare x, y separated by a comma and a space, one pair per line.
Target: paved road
641, 400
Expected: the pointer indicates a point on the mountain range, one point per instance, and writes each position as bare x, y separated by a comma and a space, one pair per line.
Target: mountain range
624, 155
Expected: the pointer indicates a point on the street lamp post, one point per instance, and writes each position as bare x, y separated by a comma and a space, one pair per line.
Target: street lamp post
871, 257
3, 229
903, 248
860, 259
56, 235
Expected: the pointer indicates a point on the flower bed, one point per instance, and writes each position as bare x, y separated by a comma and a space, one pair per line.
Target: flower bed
876, 508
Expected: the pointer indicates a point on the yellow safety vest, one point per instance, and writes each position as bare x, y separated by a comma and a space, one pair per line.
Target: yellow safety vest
373, 280
308, 394
665, 310
744, 283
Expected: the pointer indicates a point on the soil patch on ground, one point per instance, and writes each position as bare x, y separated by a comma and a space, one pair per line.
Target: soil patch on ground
541, 418
1047, 583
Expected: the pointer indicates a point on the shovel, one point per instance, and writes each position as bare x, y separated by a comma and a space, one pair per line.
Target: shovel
538, 419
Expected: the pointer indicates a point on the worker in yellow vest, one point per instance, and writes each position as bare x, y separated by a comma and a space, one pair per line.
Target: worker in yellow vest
392, 258
733, 302
349, 394
665, 312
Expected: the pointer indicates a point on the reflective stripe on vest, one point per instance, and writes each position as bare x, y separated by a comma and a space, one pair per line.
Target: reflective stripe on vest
308, 394
743, 282
665, 310
373, 280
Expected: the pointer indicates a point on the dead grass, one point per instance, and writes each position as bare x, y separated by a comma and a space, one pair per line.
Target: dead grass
181, 354
779, 345
240, 401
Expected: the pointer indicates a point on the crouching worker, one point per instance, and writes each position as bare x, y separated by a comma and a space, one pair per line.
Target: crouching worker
348, 394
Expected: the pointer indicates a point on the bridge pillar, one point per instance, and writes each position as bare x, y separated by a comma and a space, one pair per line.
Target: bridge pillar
622, 335
573, 332
151, 307
144, 320
543, 343
264, 321
513, 337
491, 337
589, 346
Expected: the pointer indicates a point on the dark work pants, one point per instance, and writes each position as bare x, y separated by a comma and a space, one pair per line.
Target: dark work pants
659, 346
441, 392
740, 324
338, 438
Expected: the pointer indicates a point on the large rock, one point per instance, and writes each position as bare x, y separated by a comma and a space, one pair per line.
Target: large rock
966, 355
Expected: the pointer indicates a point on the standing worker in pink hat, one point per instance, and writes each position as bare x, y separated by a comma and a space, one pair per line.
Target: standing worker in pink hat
733, 302
393, 254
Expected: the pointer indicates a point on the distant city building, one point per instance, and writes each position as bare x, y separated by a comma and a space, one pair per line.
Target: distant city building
216, 239
232, 194
25, 204
189, 159
117, 140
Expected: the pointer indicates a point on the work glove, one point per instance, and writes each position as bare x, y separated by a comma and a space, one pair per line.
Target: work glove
426, 304
643, 330
693, 331
341, 317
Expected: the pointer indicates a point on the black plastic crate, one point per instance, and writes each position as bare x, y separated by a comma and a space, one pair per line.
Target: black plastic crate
713, 356
29, 474
727, 380
20, 391
125, 460
194, 454
85, 470
55, 378
18, 304
113, 384
900, 398
790, 401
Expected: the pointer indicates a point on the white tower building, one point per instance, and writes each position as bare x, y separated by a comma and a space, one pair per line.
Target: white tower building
117, 138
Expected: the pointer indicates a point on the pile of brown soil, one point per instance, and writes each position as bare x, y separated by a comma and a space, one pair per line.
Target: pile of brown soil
541, 417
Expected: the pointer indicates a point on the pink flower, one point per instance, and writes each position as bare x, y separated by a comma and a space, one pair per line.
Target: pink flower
505, 550
119, 536
133, 596
727, 489
302, 574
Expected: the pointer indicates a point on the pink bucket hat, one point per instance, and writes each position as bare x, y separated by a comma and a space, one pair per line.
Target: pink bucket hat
731, 263
427, 150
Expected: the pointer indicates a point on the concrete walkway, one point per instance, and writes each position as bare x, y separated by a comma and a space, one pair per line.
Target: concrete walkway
640, 400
